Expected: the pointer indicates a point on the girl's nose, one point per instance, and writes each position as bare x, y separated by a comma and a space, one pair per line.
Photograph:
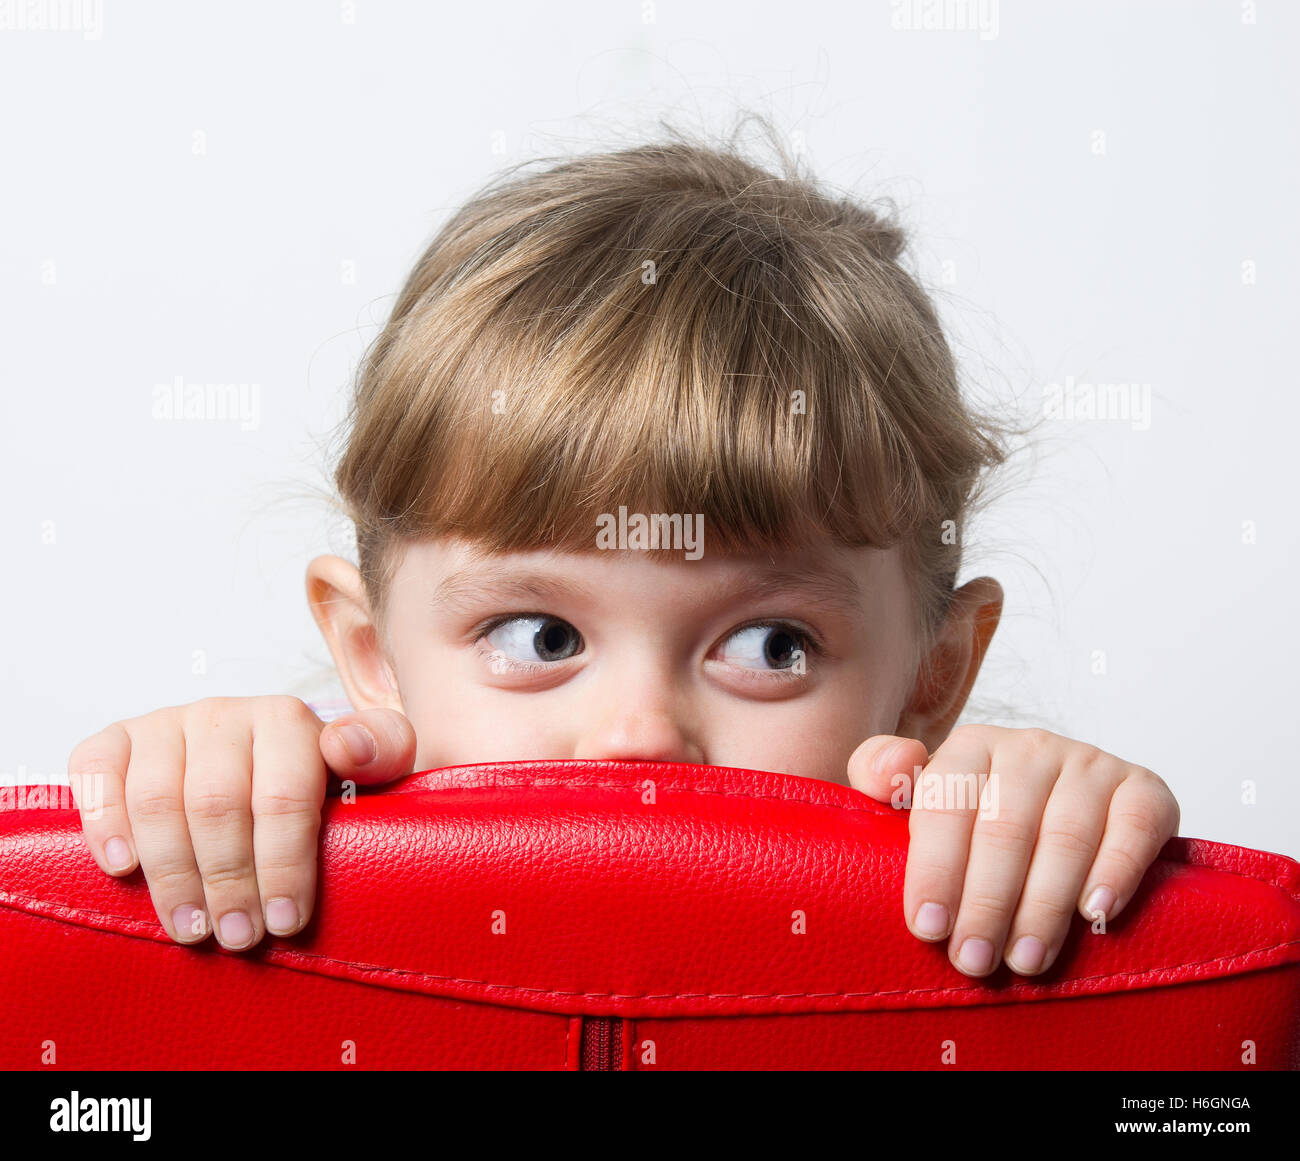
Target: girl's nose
638, 730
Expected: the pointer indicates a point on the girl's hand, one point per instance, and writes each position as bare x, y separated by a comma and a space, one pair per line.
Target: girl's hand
219, 802
1059, 825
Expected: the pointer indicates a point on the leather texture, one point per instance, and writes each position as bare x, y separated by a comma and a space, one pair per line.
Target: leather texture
708, 918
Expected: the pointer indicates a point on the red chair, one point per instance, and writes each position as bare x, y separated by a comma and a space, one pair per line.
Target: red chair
623, 915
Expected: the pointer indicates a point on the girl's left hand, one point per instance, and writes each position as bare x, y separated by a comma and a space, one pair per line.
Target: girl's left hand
1012, 831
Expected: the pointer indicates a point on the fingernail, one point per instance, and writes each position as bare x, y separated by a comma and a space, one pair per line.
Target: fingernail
1102, 899
1027, 955
189, 922
976, 956
281, 916
118, 853
884, 762
236, 930
360, 743
932, 920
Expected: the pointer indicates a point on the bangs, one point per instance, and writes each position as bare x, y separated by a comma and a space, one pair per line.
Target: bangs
735, 387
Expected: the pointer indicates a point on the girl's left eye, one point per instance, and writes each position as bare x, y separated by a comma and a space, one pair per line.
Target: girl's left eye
535, 638
766, 647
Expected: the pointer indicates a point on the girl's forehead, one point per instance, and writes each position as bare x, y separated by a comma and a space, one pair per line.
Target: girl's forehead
449, 572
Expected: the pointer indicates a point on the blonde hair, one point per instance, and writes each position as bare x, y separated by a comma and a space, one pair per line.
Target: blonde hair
634, 328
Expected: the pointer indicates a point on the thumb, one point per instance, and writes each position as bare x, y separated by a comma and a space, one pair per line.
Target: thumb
882, 767
369, 746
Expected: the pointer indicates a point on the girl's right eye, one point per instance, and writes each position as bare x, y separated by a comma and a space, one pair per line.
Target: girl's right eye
533, 639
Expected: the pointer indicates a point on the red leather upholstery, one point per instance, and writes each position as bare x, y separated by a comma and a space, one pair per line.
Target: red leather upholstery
560, 915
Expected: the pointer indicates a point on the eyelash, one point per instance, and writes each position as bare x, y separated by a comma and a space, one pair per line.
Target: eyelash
483, 628
513, 664
806, 636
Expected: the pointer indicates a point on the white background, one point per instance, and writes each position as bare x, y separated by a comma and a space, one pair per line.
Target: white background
181, 194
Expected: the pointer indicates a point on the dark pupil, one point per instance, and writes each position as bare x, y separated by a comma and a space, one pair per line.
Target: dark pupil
554, 640
779, 647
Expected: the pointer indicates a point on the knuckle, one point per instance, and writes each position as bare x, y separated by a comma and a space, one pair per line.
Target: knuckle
983, 909
208, 712
1071, 835
1005, 835
154, 719
1160, 797
95, 756
1173, 815
228, 873
1037, 739
1128, 864
92, 764
284, 804
286, 710
211, 802
932, 870
1143, 824
970, 732
95, 795
170, 878
154, 804
88, 755
1047, 916
941, 793
1151, 783
285, 867
1092, 759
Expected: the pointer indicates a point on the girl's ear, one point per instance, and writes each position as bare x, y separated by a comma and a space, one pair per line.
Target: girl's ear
337, 599
946, 675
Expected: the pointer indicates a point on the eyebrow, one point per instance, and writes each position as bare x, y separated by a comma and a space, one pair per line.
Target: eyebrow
823, 586
503, 582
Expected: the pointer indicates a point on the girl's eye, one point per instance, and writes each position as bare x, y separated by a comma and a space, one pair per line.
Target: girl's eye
536, 638
766, 647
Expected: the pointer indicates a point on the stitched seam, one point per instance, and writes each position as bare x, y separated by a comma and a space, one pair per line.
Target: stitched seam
285, 958
67, 909
1221, 961
883, 811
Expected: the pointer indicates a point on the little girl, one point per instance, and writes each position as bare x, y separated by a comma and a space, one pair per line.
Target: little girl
675, 343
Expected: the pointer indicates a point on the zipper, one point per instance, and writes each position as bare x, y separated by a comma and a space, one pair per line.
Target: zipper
602, 1044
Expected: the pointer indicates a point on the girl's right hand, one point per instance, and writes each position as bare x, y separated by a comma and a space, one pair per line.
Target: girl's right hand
219, 802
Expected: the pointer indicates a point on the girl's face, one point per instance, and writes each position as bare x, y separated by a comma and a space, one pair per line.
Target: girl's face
775, 662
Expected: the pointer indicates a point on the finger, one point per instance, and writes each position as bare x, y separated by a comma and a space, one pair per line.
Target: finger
1143, 816
1002, 842
369, 746
940, 823
217, 791
289, 779
97, 777
1068, 838
884, 767
155, 805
